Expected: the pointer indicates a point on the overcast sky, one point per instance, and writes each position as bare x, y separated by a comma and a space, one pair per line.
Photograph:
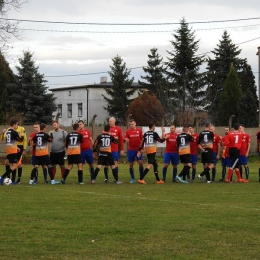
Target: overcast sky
70, 53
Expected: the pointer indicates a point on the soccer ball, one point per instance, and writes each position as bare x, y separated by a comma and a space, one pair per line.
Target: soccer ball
7, 181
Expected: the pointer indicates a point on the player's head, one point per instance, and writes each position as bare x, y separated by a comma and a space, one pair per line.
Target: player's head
151, 126
172, 128
191, 129
55, 125
43, 127
106, 128
242, 128
227, 130
14, 123
112, 121
75, 126
236, 126
81, 124
36, 126
212, 128
185, 129
132, 124
207, 125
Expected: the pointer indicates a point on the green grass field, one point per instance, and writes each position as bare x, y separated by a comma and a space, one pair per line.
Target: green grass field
130, 221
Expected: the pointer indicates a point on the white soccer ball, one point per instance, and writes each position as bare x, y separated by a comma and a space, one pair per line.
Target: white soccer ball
7, 181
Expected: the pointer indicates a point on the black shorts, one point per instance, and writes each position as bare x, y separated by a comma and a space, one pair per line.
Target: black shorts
12, 158
185, 158
43, 160
106, 159
207, 156
57, 158
19, 154
74, 159
234, 154
151, 158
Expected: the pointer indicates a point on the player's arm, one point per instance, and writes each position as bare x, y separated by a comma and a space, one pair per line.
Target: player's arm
95, 144
121, 141
158, 138
248, 147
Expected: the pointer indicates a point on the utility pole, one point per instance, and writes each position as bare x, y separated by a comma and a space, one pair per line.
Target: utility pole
258, 53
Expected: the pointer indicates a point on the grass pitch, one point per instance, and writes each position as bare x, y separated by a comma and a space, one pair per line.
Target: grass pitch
130, 221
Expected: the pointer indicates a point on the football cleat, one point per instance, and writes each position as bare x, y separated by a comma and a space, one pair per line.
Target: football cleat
141, 182
160, 182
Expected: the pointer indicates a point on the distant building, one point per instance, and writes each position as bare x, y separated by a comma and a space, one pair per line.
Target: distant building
83, 102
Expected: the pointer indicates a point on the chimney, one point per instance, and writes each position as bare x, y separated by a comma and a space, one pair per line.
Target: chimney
103, 80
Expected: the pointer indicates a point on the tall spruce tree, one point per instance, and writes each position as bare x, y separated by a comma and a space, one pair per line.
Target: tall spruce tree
229, 98
30, 95
121, 91
225, 54
186, 84
154, 78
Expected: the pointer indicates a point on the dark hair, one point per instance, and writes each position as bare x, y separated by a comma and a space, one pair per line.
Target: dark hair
37, 123
132, 120
81, 121
55, 121
207, 124
13, 121
236, 126
76, 126
42, 126
191, 126
151, 125
106, 128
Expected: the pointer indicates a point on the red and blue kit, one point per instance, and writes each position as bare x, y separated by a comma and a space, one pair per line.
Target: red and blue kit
244, 144
85, 145
216, 141
235, 139
135, 138
193, 145
116, 132
171, 142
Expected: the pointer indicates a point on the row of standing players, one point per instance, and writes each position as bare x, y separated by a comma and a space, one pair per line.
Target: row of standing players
183, 147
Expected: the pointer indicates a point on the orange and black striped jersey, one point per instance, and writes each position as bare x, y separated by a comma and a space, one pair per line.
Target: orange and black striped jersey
104, 142
73, 141
206, 139
12, 137
40, 142
183, 143
150, 140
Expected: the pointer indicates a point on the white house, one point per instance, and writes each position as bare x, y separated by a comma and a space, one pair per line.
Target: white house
83, 102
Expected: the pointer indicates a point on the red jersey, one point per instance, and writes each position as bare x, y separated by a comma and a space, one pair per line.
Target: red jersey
235, 139
116, 132
216, 141
193, 144
135, 137
31, 138
86, 145
245, 143
225, 143
171, 143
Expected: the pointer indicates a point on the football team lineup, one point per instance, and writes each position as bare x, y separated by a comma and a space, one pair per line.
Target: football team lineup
182, 146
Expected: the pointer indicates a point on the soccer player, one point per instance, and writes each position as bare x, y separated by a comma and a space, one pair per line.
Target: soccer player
133, 136
171, 153
244, 152
36, 127
150, 139
40, 141
57, 153
11, 137
216, 151
73, 141
86, 147
183, 143
116, 132
234, 140
205, 144
193, 151
105, 157
225, 154
258, 143
21, 151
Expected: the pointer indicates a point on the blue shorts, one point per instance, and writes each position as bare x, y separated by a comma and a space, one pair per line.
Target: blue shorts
243, 160
171, 157
226, 162
131, 156
194, 158
115, 156
87, 156
215, 158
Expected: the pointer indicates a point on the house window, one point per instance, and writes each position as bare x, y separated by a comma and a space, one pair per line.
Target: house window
69, 93
60, 110
79, 109
69, 110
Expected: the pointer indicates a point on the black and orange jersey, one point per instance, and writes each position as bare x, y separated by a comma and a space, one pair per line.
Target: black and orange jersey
206, 139
11, 138
149, 141
73, 141
40, 142
104, 142
183, 143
